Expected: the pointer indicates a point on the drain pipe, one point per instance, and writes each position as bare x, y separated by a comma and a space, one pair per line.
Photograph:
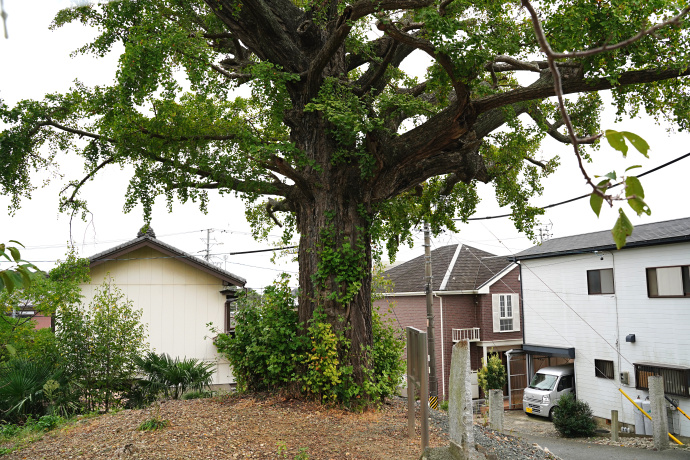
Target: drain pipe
443, 350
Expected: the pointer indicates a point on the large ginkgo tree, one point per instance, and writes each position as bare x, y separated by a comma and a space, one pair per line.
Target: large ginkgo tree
318, 115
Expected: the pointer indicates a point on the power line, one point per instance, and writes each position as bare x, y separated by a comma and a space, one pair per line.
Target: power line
553, 205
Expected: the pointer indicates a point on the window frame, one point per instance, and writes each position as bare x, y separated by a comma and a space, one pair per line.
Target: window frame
685, 282
590, 288
503, 301
679, 383
604, 369
513, 309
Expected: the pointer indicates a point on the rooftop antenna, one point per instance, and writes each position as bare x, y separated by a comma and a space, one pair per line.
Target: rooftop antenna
545, 233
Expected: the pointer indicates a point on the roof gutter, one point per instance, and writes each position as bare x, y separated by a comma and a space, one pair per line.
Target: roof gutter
608, 247
422, 293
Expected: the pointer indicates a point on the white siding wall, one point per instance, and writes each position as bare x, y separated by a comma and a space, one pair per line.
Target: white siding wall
592, 327
177, 300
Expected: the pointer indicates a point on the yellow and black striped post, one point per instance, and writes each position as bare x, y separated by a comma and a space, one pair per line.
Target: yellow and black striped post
433, 402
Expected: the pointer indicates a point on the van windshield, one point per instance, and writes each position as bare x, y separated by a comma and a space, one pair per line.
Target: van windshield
543, 381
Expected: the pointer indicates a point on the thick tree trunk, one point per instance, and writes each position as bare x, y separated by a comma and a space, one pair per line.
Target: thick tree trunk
335, 261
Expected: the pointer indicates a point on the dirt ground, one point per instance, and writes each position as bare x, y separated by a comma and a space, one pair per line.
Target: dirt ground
269, 427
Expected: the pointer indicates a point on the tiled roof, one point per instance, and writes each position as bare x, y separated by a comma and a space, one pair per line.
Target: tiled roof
472, 269
147, 240
670, 231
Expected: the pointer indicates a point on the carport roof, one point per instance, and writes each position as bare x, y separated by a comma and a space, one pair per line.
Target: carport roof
549, 351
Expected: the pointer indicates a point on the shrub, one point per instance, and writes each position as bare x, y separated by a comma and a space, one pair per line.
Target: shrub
573, 418
493, 375
266, 341
48, 422
174, 376
268, 352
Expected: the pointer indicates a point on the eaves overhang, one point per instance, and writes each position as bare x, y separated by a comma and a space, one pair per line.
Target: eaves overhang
607, 247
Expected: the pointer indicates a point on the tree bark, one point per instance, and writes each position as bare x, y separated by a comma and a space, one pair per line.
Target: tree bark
335, 268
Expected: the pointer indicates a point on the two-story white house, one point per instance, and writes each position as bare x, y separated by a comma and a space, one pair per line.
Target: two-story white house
621, 315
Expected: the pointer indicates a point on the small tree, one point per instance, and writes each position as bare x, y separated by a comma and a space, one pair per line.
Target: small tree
493, 375
43, 295
99, 344
573, 418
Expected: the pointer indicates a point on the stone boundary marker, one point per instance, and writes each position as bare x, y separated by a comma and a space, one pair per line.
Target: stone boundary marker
418, 376
461, 430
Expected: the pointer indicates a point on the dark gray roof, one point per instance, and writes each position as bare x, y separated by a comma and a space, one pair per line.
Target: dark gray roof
148, 240
670, 231
473, 268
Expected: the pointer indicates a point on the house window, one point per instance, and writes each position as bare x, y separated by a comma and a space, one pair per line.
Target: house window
668, 281
600, 281
506, 305
506, 312
603, 369
230, 310
676, 379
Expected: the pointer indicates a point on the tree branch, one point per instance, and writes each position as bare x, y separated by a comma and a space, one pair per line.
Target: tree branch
575, 85
327, 51
90, 175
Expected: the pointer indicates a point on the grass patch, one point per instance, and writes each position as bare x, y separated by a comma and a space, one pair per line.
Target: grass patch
14, 437
197, 395
153, 424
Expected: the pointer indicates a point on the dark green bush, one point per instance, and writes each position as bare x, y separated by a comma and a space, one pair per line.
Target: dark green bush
573, 418
268, 352
266, 341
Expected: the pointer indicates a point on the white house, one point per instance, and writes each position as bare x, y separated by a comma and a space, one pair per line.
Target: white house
622, 315
178, 293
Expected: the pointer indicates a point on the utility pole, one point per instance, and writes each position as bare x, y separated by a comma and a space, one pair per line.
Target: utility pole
209, 243
433, 389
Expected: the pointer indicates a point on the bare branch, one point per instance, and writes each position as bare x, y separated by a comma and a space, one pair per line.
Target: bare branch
232, 76
363, 8
514, 64
90, 175
461, 90
325, 54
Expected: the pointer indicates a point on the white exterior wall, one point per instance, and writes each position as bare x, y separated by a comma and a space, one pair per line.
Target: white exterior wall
661, 325
177, 301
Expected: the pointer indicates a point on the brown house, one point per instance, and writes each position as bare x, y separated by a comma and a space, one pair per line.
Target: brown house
476, 295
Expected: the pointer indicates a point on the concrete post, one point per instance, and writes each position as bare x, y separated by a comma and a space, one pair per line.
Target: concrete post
496, 409
460, 402
659, 419
614, 426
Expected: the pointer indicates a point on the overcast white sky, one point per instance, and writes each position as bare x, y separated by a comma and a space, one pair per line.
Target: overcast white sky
35, 61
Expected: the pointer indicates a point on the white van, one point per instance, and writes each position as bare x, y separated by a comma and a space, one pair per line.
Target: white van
546, 387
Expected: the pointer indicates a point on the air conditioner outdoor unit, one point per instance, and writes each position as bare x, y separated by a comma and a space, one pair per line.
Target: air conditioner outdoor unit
625, 378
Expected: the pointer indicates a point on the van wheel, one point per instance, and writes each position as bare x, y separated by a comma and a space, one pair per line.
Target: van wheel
551, 412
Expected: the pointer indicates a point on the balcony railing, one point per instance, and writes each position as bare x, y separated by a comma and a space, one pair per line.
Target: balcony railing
469, 333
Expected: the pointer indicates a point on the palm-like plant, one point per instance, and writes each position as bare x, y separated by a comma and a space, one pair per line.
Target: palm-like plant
21, 388
174, 376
